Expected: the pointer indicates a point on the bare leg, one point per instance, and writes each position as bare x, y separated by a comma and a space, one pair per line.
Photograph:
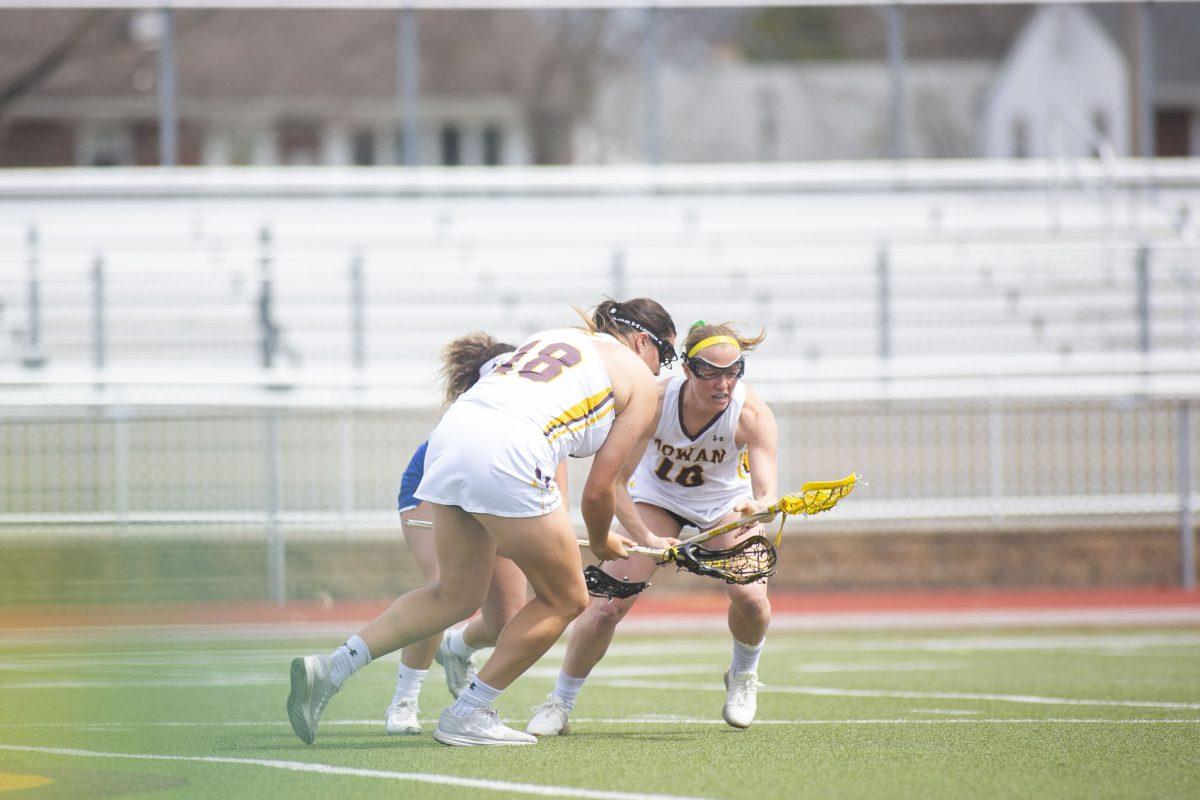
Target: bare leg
465, 553
506, 596
544, 548
594, 630
419, 655
749, 606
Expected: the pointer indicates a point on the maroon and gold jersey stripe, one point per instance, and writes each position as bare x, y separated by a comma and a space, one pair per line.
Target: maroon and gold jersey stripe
581, 415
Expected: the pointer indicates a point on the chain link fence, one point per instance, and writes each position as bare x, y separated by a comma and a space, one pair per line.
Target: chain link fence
272, 480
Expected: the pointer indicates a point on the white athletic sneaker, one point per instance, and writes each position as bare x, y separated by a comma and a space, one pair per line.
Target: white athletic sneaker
402, 718
311, 689
550, 718
741, 698
459, 671
482, 726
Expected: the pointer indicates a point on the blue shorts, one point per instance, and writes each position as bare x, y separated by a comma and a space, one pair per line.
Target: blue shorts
412, 479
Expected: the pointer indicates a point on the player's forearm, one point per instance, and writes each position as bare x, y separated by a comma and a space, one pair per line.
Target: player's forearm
627, 514
597, 507
764, 482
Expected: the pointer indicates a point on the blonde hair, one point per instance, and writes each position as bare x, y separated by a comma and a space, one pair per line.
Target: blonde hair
702, 330
462, 358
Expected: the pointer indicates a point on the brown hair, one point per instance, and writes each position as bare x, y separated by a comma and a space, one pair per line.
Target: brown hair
613, 317
702, 330
462, 358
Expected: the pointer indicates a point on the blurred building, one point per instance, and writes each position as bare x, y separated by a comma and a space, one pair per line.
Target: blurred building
1062, 89
520, 87
261, 88
786, 112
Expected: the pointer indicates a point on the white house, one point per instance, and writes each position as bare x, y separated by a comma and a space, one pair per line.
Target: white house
737, 111
1063, 90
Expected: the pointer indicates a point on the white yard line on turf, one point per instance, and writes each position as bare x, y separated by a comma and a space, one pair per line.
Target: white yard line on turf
644, 670
151, 683
917, 620
652, 719
329, 769
825, 691
878, 666
1030, 641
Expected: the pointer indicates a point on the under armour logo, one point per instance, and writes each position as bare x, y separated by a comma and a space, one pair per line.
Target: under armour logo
353, 652
471, 685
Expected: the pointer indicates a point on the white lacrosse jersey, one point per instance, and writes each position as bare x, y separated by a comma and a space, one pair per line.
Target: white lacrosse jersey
496, 448
557, 382
699, 476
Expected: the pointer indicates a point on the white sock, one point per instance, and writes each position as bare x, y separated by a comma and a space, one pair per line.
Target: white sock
567, 689
457, 645
408, 683
745, 657
348, 659
477, 695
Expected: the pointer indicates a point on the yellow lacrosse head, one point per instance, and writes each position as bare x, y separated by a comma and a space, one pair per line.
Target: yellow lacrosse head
817, 496
813, 498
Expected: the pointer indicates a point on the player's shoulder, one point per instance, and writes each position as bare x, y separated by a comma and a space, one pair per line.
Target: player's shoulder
753, 406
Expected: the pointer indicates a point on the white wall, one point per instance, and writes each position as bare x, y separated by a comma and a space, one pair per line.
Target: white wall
794, 112
1062, 72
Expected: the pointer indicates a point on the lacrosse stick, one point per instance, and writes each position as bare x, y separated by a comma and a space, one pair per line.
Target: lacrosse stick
747, 561
813, 498
601, 584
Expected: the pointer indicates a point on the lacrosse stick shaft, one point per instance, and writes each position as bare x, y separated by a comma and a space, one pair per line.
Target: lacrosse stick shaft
636, 549
775, 508
733, 526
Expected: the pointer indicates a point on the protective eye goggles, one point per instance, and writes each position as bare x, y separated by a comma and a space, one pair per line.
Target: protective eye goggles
666, 351
708, 371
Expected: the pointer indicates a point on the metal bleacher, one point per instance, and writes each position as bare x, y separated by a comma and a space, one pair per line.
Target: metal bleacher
974, 272
984, 341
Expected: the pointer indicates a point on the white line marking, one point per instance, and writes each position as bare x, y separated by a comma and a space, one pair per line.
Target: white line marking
328, 769
649, 719
916, 620
1036, 641
824, 691
879, 666
248, 680
949, 720
632, 672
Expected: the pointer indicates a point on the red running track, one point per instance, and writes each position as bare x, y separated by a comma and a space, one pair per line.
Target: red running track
1073, 606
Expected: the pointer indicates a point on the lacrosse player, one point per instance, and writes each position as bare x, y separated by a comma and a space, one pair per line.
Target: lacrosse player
489, 479
464, 362
711, 459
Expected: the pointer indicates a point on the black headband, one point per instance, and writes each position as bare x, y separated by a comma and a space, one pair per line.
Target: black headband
666, 353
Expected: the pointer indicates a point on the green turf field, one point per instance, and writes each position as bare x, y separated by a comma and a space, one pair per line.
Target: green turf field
933, 714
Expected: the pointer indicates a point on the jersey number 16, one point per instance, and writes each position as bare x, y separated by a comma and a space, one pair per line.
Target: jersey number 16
689, 476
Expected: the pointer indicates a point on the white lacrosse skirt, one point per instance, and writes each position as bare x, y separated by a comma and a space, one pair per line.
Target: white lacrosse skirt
488, 462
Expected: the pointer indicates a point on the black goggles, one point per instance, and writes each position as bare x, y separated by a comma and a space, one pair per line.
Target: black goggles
666, 350
707, 371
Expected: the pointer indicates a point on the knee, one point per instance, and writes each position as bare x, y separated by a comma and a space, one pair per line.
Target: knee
571, 603
605, 615
754, 606
460, 605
